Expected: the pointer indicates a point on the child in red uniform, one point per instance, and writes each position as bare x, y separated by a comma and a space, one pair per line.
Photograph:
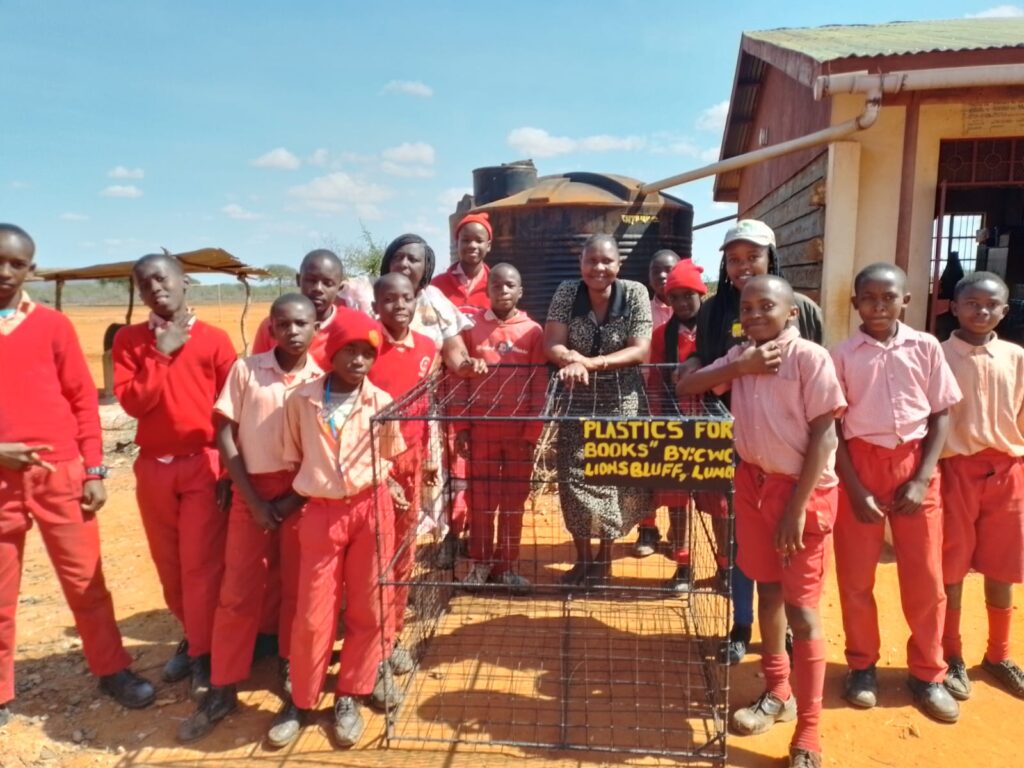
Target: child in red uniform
167, 374
785, 399
900, 389
500, 454
464, 284
662, 263
404, 359
321, 278
983, 478
51, 472
673, 342
261, 541
347, 510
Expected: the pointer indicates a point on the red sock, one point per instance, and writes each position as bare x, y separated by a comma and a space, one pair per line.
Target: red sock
951, 643
776, 675
682, 556
651, 521
998, 634
808, 685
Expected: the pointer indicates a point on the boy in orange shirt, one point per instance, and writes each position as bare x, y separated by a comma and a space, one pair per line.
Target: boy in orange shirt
262, 544
900, 390
983, 478
785, 399
501, 453
348, 514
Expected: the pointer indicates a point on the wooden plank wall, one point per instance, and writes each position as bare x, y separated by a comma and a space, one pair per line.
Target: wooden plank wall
796, 211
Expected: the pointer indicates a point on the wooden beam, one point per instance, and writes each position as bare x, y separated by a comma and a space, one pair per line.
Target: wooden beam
906, 210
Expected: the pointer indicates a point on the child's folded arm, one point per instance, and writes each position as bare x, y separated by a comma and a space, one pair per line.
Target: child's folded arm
908, 497
820, 445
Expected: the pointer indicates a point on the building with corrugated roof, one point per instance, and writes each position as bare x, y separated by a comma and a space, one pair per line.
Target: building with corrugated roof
915, 155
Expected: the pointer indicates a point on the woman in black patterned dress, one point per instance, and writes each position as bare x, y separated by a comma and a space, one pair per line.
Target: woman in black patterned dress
598, 331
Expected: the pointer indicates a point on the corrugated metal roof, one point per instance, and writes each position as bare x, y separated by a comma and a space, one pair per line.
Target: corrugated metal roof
897, 38
203, 260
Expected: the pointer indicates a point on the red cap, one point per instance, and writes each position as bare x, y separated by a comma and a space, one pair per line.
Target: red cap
686, 275
349, 327
476, 218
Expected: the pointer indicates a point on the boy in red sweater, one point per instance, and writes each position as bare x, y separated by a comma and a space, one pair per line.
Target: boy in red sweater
51, 473
345, 530
673, 342
465, 282
167, 374
321, 278
983, 478
404, 358
501, 453
262, 542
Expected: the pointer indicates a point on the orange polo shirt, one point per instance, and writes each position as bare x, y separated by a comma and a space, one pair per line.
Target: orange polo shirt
991, 416
253, 397
337, 468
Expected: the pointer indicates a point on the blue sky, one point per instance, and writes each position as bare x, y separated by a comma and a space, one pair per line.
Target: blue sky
269, 128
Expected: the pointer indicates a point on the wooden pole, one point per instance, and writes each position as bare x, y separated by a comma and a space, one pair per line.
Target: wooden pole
131, 300
59, 294
245, 311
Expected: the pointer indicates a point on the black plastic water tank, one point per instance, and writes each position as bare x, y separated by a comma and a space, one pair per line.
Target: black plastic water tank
541, 229
499, 181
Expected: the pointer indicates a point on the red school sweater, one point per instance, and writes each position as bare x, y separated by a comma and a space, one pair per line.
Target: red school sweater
468, 300
47, 395
171, 396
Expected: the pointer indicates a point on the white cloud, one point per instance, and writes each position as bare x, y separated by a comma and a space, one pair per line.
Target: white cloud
710, 154
338, 192
319, 158
279, 158
122, 190
409, 88
235, 211
713, 118
999, 12
69, 216
121, 172
418, 152
536, 142
450, 197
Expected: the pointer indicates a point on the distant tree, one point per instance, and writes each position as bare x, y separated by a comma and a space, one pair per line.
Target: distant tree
281, 274
360, 259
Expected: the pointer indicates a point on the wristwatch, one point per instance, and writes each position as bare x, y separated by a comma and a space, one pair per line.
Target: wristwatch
99, 472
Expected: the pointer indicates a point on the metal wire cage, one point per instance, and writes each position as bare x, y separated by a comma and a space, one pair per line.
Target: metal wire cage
515, 646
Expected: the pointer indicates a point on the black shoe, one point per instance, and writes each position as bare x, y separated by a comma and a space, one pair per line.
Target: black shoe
734, 651
265, 647
934, 700
447, 552
179, 666
128, 689
220, 702
680, 581
957, 682
861, 688
386, 695
646, 541
285, 727
1008, 675
723, 580
200, 677
5, 715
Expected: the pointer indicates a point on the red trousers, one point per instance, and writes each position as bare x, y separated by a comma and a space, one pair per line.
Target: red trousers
499, 485
407, 471
918, 542
253, 559
339, 546
72, 539
186, 532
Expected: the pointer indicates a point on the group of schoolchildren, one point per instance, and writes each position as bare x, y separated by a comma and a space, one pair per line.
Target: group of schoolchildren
264, 519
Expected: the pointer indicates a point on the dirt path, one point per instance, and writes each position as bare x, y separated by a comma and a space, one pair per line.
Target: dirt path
60, 720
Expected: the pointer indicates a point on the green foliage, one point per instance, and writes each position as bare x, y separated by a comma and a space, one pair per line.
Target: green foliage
363, 258
281, 275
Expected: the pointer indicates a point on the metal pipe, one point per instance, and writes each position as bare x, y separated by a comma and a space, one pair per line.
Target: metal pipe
825, 136
920, 80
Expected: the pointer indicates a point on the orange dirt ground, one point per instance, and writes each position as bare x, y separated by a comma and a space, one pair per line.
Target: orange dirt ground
61, 720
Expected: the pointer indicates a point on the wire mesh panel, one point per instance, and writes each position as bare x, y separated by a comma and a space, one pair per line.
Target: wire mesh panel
560, 577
